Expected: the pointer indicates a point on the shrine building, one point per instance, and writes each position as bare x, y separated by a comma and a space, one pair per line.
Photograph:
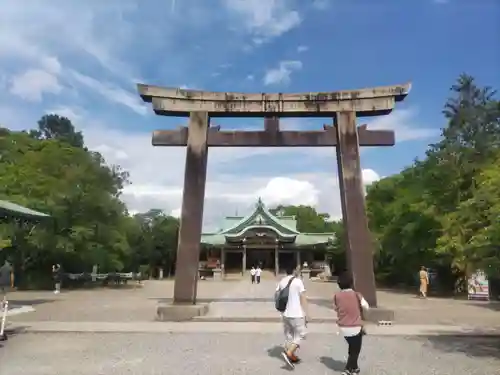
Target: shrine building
261, 238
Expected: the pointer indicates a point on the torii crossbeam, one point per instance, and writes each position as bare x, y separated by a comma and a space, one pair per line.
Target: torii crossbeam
342, 106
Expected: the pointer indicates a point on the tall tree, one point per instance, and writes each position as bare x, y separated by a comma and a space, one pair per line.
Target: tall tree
80, 193
53, 126
437, 212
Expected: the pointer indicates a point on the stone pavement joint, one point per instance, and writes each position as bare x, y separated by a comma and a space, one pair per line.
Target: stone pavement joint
221, 327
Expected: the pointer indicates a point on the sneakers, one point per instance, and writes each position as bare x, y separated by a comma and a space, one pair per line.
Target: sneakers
288, 359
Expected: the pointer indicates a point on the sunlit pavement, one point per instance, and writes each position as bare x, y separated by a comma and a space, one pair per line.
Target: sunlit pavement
239, 353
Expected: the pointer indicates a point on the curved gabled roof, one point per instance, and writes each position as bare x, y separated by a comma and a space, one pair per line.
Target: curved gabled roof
9, 209
260, 216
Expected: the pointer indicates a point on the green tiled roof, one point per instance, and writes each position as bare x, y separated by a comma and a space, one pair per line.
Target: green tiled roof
9, 209
285, 227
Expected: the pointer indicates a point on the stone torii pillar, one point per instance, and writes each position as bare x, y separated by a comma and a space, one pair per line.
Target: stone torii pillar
358, 241
343, 106
193, 198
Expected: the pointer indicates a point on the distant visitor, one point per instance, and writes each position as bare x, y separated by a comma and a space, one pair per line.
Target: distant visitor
253, 271
258, 272
57, 276
423, 275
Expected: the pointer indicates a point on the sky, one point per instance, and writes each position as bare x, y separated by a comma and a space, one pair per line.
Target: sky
83, 59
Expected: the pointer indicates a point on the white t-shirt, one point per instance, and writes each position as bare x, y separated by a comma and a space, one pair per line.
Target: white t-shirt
293, 307
252, 271
258, 271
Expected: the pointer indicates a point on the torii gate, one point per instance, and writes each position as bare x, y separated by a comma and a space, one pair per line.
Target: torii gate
342, 106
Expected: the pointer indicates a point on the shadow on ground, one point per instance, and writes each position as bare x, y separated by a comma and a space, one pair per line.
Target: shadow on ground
492, 305
275, 352
30, 302
12, 332
316, 301
332, 363
472, 346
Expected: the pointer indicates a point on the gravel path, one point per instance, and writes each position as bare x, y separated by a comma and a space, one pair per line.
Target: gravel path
249, 353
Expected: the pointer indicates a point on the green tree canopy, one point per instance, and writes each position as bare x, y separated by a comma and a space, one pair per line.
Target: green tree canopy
50, 170
442, 211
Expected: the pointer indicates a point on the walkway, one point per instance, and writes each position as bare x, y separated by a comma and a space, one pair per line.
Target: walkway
258, 352
254, 302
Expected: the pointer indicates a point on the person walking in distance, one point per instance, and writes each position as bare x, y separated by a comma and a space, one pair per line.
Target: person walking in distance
291, 301
258, 272
57, 276
423, 276
252, 274
350, 307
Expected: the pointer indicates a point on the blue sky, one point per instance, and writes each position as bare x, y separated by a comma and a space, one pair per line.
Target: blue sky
83, 59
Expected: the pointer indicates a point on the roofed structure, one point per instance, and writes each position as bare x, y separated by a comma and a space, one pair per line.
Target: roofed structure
16, 211
243, 242
262, 223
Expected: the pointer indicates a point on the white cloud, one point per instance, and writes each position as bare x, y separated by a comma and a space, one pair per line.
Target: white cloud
30, 33
301, 49
176, 212
321, 4
285, 190
265, 19
282, 73
404, 124
112, 93
32, 84
51, 64
70, 113
93, 52
370, 176
158, 180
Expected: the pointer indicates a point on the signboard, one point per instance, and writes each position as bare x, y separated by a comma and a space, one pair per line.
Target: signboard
478, 286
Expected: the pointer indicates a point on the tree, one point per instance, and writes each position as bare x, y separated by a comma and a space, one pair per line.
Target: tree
308, 219
50, 170
155, 244
53, 126
441, 211
77, 189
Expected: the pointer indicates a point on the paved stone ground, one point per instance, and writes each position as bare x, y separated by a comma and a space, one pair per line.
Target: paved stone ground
247, 301
250, 353
411, 310
236, 299
243, 327
107, 304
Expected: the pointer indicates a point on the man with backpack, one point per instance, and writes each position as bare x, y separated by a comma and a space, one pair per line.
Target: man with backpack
291, 301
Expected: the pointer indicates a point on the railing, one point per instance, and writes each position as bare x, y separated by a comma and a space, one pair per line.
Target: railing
95, 279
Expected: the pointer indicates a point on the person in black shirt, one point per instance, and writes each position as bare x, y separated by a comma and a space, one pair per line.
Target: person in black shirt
57, 276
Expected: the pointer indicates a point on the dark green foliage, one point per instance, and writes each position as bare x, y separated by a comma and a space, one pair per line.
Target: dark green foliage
51, 171
443, 211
